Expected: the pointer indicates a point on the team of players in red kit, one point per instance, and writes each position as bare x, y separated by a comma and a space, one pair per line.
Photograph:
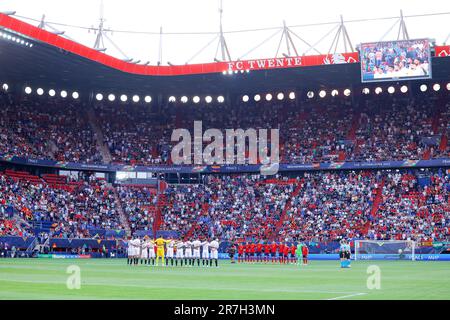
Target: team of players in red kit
260, 252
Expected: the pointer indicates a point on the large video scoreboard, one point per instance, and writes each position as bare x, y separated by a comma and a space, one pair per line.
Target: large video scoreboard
395, 60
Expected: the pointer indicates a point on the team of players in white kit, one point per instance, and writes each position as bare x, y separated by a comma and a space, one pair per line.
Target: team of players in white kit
177, 252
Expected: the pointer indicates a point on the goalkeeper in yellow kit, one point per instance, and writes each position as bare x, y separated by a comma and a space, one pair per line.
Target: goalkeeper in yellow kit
160, 242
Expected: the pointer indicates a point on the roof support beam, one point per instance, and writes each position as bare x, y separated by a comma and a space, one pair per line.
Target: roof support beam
342, 31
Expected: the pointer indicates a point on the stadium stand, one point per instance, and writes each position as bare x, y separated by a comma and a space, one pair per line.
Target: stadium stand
318, 206
378, 129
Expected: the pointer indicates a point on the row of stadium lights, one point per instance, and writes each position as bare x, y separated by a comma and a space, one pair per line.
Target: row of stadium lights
123, 98
280, 96
220, 99
148, 99
18, 40
391, 90
197, 99
404, 89
76, 95
436, 87
111, 97
269, 97
52, 92
347, 92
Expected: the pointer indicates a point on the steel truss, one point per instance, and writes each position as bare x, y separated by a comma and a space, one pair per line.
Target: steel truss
286, 45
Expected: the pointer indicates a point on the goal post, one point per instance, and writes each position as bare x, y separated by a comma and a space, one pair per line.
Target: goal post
385, 250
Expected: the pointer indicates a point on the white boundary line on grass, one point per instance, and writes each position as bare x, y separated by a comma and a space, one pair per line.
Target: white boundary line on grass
348, 296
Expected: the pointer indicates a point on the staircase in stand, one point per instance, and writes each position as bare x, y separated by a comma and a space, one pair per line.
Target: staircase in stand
378, 198
283, 215
354, 127
162, 202
99, 138
122, 216
443, 143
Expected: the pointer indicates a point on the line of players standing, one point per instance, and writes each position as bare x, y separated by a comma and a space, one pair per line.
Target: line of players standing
175, 252
274, 252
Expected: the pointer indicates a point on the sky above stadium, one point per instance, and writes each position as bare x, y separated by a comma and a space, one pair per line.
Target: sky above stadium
189, 26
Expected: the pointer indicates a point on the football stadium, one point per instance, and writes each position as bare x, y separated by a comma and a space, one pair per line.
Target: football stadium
319, 170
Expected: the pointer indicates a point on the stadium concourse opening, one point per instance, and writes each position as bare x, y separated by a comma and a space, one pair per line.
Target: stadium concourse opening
87, 172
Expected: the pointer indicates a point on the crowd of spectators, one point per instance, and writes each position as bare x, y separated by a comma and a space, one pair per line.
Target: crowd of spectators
325, 206
413, 207
402, 131
320, 206
315, 206
135, 135
330, 206
72, 209
46, 129
184, 207
372, 129
139, 204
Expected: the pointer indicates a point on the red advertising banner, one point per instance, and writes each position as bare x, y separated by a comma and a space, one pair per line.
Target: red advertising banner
292, 62
217, 67
442, 51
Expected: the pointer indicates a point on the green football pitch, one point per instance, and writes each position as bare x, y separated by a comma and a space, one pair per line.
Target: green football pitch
113, 279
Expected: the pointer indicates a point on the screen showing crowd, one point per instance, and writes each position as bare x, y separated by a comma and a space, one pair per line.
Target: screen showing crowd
394, 60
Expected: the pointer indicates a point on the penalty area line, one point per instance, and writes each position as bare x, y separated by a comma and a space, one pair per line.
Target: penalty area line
348, 296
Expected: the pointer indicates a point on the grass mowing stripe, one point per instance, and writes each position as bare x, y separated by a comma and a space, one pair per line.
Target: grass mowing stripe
348, 296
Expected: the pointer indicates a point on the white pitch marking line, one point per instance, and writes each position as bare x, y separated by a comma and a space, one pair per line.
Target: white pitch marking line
348, 296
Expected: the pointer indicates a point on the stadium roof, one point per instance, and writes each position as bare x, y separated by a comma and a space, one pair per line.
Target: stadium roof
189, 31
48, 63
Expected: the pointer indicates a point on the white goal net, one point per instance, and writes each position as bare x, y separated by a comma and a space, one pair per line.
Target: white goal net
384, 249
